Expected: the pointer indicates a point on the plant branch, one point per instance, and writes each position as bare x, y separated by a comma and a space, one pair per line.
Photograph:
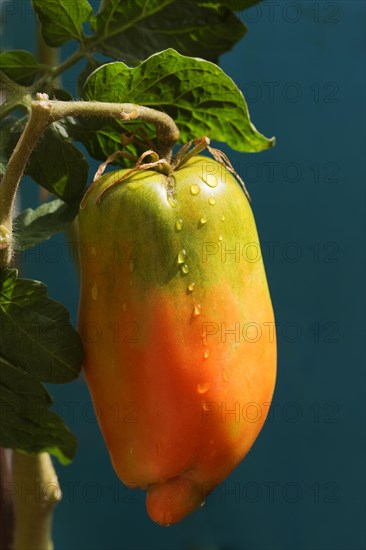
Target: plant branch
87, 48
50, 57
166, 129
57, 71
38, 493
8, 106
37, 123
6, 501
9, 86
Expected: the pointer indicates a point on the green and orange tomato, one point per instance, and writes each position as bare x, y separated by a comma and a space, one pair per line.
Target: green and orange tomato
174, 316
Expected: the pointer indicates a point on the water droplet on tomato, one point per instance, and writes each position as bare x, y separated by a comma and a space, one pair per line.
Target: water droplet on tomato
195, 189
197, 310
202, 504
223, 218
184, 268
172, 201
206, 354
167, 516
211, 180
203, 387
179, 225
190, 287
225, 375
212, 201
94, 291
182, 254
220, 237
203, 220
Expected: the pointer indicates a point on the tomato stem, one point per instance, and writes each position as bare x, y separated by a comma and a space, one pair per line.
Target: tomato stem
34, 515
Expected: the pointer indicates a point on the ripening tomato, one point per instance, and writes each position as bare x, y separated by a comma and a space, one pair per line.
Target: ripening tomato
178, 329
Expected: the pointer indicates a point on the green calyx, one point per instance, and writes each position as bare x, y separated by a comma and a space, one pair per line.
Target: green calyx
163, 166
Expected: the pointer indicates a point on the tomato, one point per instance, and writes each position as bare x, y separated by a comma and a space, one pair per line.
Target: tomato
178, 329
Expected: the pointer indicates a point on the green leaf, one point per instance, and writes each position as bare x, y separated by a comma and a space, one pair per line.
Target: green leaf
55, 163
19, 65
37, 343
6, 141
102, 138
197, 94
26, 423
58, 93
115, 16
135, 29
58, 165
34, 226
235, 5
62, 20
35, 332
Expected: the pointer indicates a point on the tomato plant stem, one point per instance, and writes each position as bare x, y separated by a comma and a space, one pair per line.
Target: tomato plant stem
37, 493
6, 501
37, 123
58, 70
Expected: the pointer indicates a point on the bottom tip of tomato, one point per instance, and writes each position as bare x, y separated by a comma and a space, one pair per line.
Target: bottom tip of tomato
170, 501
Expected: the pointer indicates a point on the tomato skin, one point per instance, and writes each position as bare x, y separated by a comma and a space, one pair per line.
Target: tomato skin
178, 330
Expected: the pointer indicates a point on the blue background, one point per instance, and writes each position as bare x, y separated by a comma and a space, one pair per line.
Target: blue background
301, 68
